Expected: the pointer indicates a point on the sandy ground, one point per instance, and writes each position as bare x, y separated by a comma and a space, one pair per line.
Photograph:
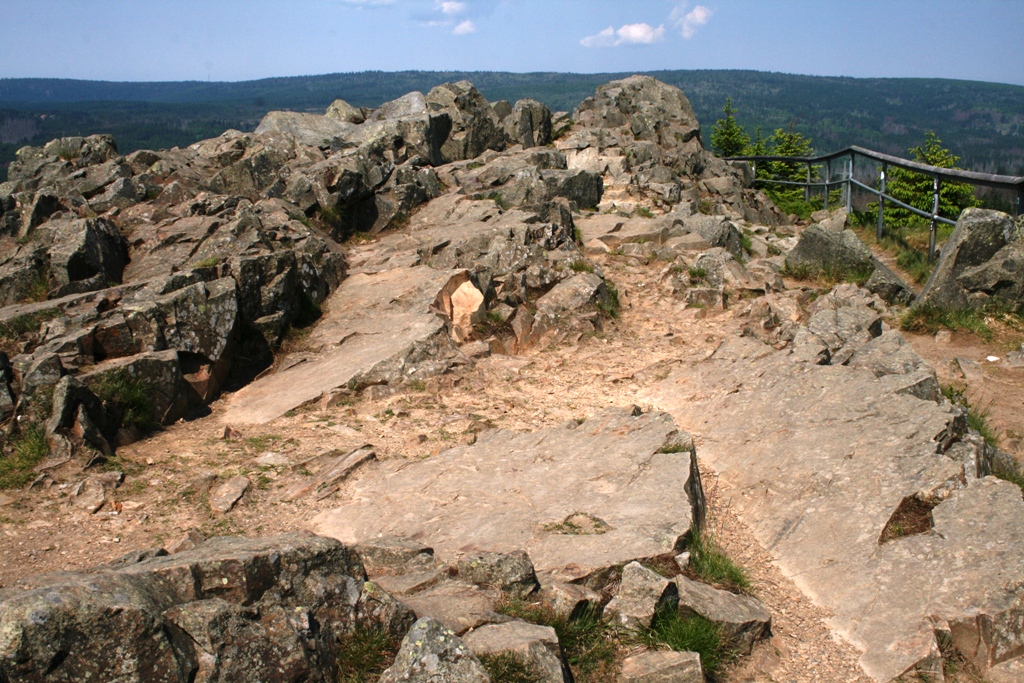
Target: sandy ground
163, 495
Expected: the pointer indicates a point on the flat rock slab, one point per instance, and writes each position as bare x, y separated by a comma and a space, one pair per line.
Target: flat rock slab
817, 459
578, 498
374, 325
662, 667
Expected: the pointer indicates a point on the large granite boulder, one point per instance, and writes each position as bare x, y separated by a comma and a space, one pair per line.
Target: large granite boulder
430, 653
980, 234
475, 126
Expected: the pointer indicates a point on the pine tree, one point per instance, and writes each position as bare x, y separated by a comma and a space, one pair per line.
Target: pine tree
917, 189
728, 138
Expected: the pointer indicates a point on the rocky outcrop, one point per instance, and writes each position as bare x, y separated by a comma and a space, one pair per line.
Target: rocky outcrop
892, 592
231, 609
642, 137
980, 263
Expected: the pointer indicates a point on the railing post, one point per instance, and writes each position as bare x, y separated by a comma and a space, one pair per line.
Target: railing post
849, 188
828, 177
807, 187
934, 225
881, 201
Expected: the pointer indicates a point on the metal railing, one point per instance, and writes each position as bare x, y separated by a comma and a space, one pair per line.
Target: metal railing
847, 182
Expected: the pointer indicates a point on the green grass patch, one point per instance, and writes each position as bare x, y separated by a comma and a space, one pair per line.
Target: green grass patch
688, 633
710, 564
13, 328
589, 643
609, 305
511, 667
929, 319
208, 262
364, 654
29, 449
977, 418
127, 399
829, 275
746, 243
581, 267
644, 212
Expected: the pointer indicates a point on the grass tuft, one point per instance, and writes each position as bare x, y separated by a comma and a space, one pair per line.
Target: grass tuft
977, 418
128, 400
929, 319
511, 667
688, 633
709, 564
610, 304
588, 641
364, 654
14, 327
29, 448
581, 267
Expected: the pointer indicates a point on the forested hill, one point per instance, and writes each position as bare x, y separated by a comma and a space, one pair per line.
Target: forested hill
981, 122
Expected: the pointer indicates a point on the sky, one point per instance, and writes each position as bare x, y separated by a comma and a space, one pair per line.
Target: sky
232, 40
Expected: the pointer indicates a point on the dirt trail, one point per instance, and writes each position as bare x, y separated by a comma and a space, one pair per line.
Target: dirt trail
162, 496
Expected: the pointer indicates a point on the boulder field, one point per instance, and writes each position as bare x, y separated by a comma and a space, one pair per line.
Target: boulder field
323, 259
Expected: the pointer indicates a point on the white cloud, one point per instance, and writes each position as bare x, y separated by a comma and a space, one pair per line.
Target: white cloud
465, 28
642, 34
452, 7
605, 38
687, 22
630, 34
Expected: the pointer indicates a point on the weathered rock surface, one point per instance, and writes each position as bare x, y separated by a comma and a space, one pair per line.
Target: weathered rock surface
537, 645
512, 495
744, 619
969, 271
641, 594
839, 252
430, 653
818, 458
231, 609
662, 667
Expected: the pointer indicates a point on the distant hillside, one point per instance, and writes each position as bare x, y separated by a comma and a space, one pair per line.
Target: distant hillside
981, 122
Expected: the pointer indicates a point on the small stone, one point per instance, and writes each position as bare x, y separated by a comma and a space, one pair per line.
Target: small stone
230, 433
536, 644
662, 667
512, 573
430, 653
188, 541
228, 494
640, 595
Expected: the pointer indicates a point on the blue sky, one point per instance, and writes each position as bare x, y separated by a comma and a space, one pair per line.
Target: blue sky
244, 39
